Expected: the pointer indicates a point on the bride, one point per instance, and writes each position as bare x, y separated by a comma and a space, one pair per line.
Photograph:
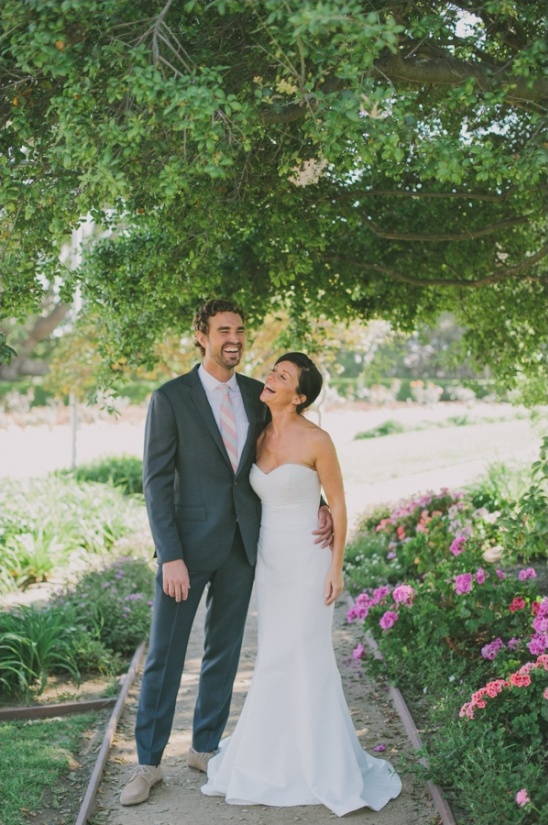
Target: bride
295, 743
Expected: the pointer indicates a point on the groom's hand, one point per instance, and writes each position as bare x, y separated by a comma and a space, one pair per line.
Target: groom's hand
324, 531
175, 579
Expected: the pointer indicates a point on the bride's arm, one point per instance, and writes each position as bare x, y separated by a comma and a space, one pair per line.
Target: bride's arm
329, 472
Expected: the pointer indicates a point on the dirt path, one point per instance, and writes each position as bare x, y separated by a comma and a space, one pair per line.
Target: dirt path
179, 798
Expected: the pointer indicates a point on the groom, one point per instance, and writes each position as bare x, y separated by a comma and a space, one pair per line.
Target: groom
204, 518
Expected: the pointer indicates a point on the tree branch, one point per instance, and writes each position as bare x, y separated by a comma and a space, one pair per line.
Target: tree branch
450, 71
500, 274
352, 194
21, 365
445, 236
42, 328
429, 71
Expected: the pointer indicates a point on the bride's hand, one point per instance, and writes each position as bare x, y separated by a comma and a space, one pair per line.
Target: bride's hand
334, 585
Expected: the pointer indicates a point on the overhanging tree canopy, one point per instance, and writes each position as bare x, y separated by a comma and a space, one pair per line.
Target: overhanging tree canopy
356, 159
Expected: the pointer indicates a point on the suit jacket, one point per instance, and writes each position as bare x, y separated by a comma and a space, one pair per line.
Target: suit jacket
194, 500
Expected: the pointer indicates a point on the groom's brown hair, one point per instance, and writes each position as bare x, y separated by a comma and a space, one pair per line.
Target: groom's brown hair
209, 310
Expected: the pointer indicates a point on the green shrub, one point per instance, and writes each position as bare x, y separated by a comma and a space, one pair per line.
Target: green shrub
499, 486
526, 522
124, 472
90, 627
34, 643
366, 563
45, 522
389, 427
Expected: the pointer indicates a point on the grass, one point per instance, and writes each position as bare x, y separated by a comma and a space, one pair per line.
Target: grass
37, 758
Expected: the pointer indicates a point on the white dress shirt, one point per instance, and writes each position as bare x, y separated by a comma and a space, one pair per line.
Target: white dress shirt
215, 398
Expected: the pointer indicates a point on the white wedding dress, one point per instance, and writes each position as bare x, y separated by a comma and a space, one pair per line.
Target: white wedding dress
295, 743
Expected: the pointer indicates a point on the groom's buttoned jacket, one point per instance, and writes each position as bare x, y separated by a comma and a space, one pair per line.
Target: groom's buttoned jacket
194, 499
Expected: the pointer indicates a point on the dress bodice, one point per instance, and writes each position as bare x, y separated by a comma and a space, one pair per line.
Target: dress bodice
290, 496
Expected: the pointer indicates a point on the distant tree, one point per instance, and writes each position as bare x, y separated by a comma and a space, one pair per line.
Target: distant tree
353, 158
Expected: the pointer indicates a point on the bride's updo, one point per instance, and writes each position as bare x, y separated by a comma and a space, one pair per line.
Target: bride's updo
310, 378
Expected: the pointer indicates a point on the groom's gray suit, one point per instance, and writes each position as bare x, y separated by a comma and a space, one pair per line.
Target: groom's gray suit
202, 512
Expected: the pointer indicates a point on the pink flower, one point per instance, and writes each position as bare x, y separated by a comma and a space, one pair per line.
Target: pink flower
391, 555
480, 575
490, 651
545, 694
380, 593
528, 573
357, 612
457, 545
388, 619
404, 593
522, 798
379, 748
538, 644
358, 652
463, 583
500, 573
540, 624
520, 679
543, 607
517, 604
494, 688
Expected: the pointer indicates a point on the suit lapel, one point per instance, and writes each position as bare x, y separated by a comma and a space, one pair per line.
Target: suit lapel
255, 416
199, 397
253, 407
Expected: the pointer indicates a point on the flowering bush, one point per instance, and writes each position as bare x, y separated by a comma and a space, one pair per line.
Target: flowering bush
518, 703
465, 624
422, 532
412, 538
479, 616
115, 603
505, 723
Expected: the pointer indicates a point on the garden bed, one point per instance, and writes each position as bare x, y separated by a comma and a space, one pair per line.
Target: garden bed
455, 597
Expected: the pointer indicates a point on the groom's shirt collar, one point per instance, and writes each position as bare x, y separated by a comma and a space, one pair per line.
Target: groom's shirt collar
211, 383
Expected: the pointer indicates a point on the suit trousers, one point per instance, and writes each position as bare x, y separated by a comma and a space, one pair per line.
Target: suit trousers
227, 602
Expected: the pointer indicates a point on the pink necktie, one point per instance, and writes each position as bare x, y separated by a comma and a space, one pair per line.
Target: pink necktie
228, 426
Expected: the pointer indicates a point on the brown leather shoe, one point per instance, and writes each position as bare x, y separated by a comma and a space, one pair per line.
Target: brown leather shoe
198, 761
143, 778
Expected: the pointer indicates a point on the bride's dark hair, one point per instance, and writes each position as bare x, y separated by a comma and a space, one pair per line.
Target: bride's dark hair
310, 378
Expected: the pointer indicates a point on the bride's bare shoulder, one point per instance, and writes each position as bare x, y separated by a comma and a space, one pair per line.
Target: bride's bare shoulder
320, 436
